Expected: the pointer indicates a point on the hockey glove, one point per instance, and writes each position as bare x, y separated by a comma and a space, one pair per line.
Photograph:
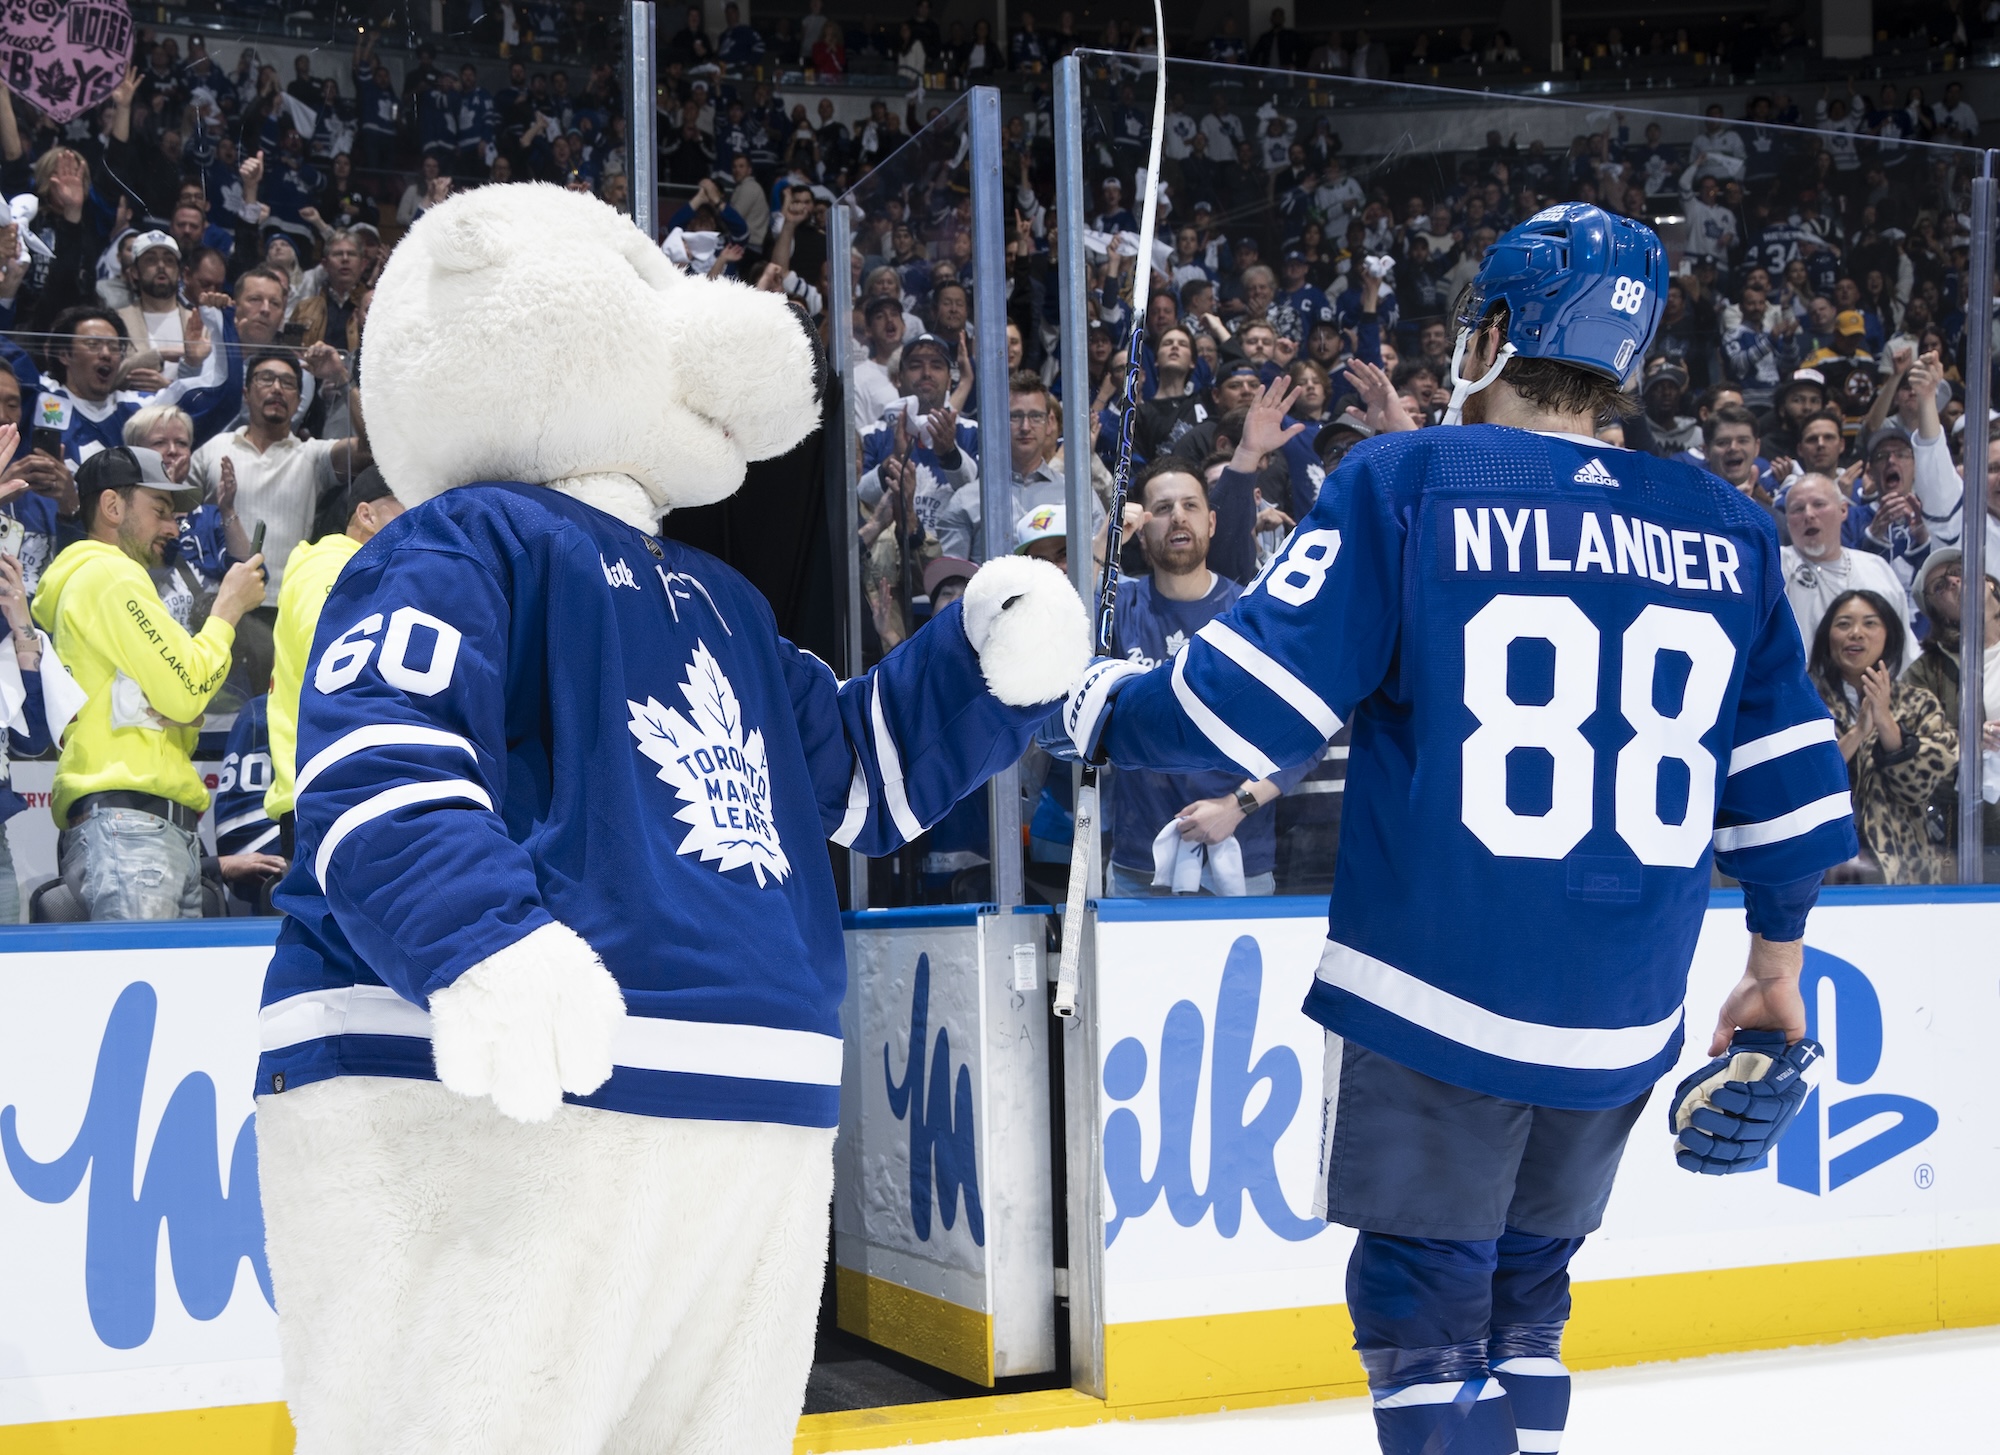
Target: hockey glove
1730, 1114
1072, 734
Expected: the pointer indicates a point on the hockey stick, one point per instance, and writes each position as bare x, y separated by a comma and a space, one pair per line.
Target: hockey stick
1084, 842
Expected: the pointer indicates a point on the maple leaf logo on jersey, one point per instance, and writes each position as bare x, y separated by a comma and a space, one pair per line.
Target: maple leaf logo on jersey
1175, 641
719, 772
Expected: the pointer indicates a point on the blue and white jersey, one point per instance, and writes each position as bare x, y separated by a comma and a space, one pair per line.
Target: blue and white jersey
520, 709
936, 482
1572, 680
1149, 628
241, 825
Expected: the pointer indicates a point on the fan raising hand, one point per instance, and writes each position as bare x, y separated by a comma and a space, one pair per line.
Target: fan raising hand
1266, 428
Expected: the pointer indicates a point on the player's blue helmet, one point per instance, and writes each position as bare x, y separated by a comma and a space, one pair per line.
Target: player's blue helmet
1582, 286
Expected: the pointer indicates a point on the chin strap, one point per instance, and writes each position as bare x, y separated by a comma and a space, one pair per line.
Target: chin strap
1463, 388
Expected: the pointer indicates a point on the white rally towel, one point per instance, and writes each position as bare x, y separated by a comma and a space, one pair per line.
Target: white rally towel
62, 699
1187, 867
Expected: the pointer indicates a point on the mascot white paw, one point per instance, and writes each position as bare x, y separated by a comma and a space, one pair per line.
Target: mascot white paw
529, 1023
1031, 632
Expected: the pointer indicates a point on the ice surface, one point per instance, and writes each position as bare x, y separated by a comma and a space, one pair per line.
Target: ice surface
1919, 1393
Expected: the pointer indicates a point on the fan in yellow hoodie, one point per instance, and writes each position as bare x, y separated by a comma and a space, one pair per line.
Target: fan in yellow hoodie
126, 794
310, 573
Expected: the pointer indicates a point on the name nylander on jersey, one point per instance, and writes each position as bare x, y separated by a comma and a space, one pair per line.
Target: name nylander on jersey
520, 709
1573, 683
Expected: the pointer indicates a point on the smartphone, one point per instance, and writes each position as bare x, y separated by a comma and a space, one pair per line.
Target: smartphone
292, 333
257, 540
48, 441
12, 534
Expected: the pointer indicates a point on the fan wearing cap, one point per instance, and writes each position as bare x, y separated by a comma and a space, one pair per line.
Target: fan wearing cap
1796, 400
156, 314
1487, 912
310, 572
127, 796
1660, 428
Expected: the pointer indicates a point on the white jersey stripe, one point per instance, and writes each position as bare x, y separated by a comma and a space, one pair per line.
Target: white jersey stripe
1777, 744
857, 808
1442, 1392
697, 1048
1576, 1048
378, 735
1267, 670
891, 765
1786, 825
388, 801
1539, 1366
1215, 729
1539, 1442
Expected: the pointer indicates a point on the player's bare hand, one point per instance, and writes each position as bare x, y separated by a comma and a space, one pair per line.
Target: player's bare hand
1767, 997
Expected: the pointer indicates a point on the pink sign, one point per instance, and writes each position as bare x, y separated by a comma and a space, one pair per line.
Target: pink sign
65, 56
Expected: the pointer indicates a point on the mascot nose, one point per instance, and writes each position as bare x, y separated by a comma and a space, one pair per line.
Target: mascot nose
819, 360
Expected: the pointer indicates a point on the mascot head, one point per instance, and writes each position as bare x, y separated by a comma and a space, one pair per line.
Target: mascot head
528, 333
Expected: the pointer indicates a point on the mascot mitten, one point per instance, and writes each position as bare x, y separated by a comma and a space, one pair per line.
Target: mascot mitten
551, 1036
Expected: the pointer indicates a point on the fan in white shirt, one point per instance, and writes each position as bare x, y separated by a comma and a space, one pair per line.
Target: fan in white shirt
1818, 568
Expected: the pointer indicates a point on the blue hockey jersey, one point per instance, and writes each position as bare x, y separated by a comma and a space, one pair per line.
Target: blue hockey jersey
520, 709
1572, 682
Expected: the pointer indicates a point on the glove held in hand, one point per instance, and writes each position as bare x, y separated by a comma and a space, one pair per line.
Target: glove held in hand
1727, 1116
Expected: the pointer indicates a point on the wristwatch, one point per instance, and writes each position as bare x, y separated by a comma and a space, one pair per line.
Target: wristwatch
1246, 802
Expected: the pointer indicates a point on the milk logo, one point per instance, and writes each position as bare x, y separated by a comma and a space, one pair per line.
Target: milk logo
211, 1226
618, 573
1242, 1154
719, 772
938, 1107
1854, 1054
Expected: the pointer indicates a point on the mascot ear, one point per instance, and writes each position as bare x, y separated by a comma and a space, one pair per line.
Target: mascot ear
467, 239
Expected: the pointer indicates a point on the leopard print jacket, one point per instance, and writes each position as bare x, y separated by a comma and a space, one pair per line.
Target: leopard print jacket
1891, 791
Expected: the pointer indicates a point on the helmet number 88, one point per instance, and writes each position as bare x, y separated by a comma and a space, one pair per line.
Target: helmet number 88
1555, 727
1628, 295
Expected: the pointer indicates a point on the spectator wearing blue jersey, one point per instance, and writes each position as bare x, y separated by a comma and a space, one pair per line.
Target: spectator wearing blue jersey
1299, 302
478, 125
1730, 450
30, 675
739, 45
47, 507
248, 859
1761, 347
1183, 833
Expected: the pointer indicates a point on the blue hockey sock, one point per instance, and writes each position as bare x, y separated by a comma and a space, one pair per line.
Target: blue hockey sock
1446, 1417
1526, 1359
1524, 1347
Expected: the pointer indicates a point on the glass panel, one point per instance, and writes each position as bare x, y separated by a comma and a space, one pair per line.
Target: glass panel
1811, 350
910, 380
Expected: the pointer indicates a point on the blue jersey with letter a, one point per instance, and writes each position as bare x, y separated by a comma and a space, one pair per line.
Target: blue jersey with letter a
520, 709
1572, 679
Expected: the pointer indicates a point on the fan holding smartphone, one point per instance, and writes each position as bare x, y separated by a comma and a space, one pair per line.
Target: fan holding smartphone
37, 697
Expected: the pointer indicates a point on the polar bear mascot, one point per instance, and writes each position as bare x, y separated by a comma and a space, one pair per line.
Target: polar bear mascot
551, 1047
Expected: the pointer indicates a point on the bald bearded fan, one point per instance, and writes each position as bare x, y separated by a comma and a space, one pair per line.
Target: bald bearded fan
1454, 595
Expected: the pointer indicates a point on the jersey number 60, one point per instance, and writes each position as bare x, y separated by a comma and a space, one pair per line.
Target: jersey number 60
1555, 726
348, 653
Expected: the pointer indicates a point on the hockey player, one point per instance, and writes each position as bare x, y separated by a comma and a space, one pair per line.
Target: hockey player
1573, 683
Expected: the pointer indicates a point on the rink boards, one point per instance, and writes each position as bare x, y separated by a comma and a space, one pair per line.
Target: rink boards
1196, 1275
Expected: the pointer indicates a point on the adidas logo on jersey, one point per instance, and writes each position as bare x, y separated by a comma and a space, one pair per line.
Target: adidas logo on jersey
1594, 473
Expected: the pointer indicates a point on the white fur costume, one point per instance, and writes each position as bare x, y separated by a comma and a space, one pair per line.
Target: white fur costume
472, 1266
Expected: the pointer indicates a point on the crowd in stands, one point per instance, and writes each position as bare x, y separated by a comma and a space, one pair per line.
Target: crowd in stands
1812, 353
197, 275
